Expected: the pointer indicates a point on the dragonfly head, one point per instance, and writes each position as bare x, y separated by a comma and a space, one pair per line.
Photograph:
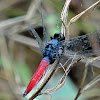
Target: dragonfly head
55, 47
59, 36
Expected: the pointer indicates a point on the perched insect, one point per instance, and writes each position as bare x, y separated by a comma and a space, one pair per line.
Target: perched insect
59, 47
54, 49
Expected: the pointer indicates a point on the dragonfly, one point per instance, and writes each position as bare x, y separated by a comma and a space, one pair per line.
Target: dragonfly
59, 47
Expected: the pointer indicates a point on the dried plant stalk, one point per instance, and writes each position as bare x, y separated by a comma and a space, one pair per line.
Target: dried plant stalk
78, 16
81, 88
64, 16
91, 84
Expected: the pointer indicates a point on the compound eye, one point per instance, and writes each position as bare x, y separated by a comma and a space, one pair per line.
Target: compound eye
62, 37
56, 35
59, 36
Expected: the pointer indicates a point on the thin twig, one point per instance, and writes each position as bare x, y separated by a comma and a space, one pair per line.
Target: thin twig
91, 84
79, 15
81, 89
82, 81
64, 16
91, 11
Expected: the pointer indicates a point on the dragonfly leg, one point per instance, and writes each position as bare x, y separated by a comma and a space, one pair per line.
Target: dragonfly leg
40, 42
44, 32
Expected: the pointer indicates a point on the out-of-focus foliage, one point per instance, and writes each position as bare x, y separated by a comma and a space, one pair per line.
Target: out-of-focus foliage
24, 72
14, 12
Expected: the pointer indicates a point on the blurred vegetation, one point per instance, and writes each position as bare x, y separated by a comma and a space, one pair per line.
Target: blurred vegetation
14, 12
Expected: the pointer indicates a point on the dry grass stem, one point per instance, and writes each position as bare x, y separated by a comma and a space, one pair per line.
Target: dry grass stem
79, 15
64, 16
32, 9
91, 84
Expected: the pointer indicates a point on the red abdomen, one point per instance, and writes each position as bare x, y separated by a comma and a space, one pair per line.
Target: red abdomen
37, 75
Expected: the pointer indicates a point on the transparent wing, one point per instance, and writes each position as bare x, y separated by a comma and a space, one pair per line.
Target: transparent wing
85, 44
